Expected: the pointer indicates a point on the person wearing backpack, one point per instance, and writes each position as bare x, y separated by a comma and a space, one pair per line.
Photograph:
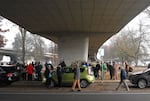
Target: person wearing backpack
48, 74
123, 77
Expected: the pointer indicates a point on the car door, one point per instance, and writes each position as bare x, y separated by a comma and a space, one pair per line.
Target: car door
148, 77
68, 75
2, 74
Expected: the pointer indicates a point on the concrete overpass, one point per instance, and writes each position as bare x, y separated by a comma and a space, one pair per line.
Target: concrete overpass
79, 27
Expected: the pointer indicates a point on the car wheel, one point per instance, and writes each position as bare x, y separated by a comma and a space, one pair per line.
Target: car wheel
7, 83
142, 83
84, 83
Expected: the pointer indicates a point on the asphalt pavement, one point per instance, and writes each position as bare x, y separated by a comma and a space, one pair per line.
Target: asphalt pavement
99, 86
74, 96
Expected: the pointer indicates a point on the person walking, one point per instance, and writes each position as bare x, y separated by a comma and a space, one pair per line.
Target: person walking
76, 77
123, 77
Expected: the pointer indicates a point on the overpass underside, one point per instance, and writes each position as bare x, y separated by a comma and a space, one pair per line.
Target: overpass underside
86, 22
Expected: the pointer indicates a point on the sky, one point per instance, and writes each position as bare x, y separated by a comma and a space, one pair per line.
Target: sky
9, 35
134, 23
13, 30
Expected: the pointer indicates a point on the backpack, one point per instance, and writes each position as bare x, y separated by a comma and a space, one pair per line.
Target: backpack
130, 69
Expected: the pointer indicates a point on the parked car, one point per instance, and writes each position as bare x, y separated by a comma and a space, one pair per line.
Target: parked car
3, 76
141, 78
86, 77
8, 74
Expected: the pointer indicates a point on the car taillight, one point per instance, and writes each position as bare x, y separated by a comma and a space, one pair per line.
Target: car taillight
9, 75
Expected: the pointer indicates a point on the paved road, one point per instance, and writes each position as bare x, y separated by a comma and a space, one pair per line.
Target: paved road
74, 97
107, 86
100, 90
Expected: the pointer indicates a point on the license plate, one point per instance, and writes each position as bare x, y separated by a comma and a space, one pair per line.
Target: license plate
9, 79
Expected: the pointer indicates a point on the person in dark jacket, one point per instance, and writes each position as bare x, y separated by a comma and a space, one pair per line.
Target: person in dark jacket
59, 75
62, 63
123, 77
48, 74
111, 70
96, 70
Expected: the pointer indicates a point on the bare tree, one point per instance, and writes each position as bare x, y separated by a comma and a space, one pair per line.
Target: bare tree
23, 37
31, 46
129, 44
38, 49
2, 38
20, 43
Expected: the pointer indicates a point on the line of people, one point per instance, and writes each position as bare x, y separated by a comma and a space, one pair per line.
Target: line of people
102, 68
47, 73
30, 71
44, 73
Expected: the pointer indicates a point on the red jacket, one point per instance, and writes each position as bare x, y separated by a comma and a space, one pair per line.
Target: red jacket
30, 69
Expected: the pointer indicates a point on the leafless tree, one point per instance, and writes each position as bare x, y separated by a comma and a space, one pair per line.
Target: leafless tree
2, 38
30, 45
129, 44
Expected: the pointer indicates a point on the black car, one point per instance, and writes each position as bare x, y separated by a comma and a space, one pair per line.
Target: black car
3, 76
141, 79
8, 74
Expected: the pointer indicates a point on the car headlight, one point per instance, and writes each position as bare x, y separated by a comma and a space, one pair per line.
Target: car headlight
132, 77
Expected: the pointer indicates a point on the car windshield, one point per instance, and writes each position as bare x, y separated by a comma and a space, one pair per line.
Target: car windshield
146, 70
8, 68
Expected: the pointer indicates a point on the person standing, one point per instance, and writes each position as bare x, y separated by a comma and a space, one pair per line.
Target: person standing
48, 74
116, 69
38, 68
76, 77
62, 63
43, 73
30, 70
111, 70
97, 70
59, 75
104, 70
126, 65
123, 77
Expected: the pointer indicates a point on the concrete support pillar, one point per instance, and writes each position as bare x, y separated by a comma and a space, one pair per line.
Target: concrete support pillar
73, 48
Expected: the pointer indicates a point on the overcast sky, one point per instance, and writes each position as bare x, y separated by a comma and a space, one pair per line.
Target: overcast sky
133, 24
13, 30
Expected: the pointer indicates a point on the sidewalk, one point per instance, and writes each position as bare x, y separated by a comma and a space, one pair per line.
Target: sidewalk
39, 83
104, 81
99, 86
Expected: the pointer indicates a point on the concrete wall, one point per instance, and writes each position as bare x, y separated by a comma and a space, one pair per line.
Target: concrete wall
72, 48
